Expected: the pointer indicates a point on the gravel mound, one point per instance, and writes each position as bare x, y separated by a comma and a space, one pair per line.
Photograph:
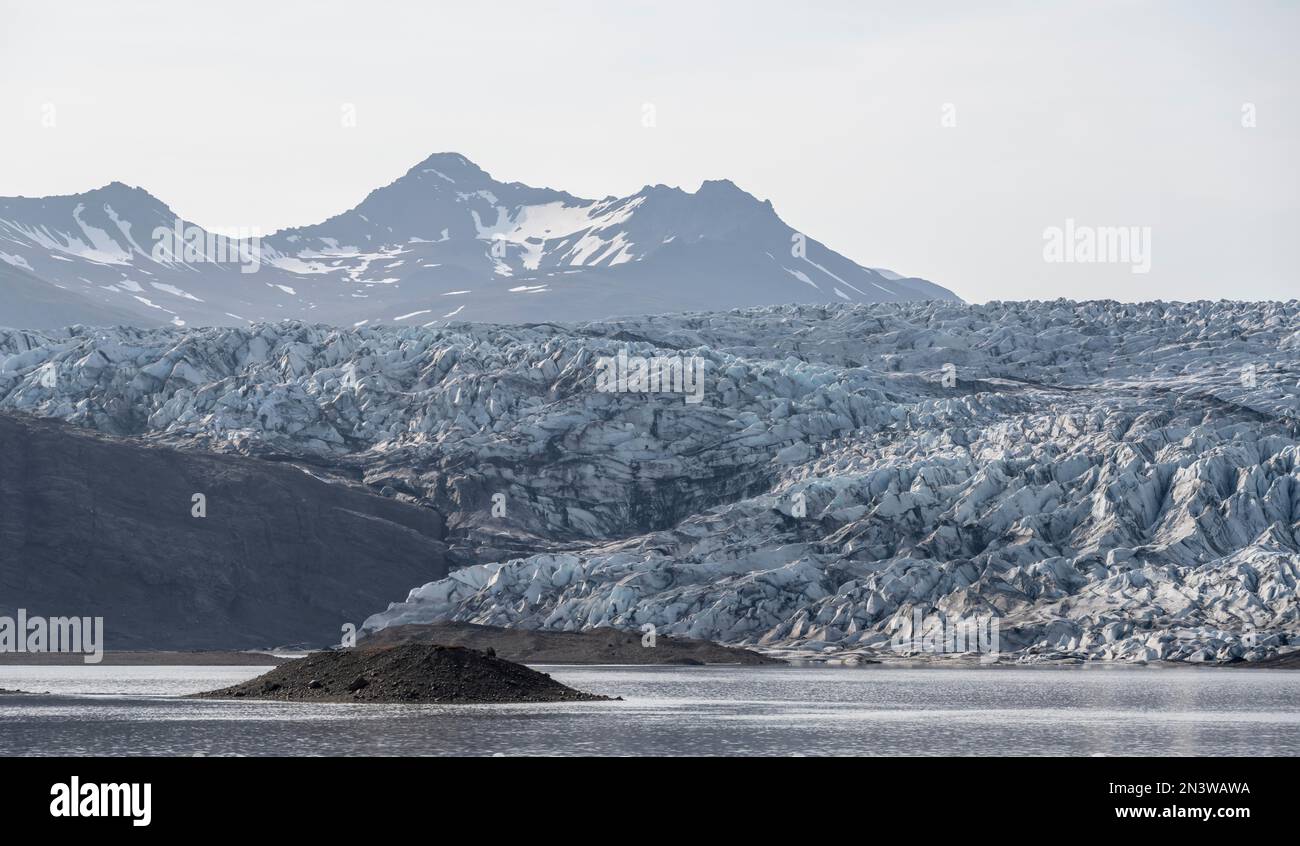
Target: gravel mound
412, 673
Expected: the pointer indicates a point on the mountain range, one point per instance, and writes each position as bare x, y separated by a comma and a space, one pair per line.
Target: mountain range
444, 242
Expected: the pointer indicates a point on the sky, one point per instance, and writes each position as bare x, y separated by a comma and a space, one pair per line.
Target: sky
952, 141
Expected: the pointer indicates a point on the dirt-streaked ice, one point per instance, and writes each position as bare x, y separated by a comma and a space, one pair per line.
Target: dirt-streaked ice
1111, 481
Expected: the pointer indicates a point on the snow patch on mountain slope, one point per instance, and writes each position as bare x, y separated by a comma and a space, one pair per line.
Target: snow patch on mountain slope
445, 224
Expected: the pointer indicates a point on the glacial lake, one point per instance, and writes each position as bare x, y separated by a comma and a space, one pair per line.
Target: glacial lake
812, 710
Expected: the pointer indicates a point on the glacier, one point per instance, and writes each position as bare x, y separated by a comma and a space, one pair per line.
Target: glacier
1116, 482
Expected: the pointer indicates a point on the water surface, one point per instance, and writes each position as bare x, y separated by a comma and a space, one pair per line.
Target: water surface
97, 710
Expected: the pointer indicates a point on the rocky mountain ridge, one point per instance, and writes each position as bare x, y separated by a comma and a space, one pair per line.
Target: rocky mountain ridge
443, 242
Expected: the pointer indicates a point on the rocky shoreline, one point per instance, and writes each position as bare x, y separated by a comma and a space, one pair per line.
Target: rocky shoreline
940, 661
147, 658
602, 645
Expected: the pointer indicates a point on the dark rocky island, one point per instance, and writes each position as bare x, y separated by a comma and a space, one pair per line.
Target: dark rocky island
406, 673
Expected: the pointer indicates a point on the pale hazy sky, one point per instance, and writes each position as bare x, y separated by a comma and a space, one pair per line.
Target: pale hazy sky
1109, 113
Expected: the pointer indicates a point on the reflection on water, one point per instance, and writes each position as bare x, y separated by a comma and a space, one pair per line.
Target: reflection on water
99, 710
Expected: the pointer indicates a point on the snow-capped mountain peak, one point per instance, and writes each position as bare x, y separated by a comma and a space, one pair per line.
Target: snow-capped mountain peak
446, 240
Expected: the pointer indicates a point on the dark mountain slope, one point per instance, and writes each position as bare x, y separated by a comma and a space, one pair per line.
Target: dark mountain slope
98, 526
30, 302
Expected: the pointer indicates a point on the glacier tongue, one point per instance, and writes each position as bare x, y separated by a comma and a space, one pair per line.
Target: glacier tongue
1110, 481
